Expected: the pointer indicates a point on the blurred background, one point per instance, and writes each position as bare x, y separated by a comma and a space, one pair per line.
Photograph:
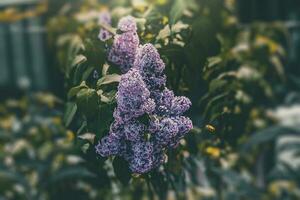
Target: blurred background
237, 60
27, 61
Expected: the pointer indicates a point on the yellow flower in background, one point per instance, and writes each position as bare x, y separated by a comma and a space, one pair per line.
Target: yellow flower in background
232, 20
210, 128
254, 113
157, 2
261, 40
58, 161
161, 2
230, 4
45, 150
70, 135
20, 145
47, 99
7, 122
277, 187
213, 151
57, 120
165, 20
33, 131
149, 36
139, 5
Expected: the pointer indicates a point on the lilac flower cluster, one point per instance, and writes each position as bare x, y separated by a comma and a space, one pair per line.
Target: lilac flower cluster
148, 119
133, 97
123, 50
105, 19
151, 66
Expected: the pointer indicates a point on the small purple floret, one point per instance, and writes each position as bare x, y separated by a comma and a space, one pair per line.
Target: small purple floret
127, 23
105, 19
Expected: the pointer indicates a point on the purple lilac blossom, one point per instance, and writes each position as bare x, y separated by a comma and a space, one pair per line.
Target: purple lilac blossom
144, 157
105, 19
156, 82
142, 91
149, 106
184, 125
141, 159
133, 96
163, 101
180, 105
123, 50
134, 131
109, 145
148, 60
151, 66
127, 23
164, 130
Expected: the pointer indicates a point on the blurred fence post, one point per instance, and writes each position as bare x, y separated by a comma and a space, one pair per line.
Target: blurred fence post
23, 50
4, 75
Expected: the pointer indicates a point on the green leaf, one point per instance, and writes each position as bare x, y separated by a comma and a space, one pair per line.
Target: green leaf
73, 91
71, 109
14, 177
83, 125
112, 78
87, 73
105, 69
87, 101
239, 183
104, 99
278, 65
121, 169
76, 45
88, 136
295, 80
105, 118
4, 135
107, 97
85, 147
79, 59
212, 61
70, 173
217, 84
214, 101
266, 135
177, 10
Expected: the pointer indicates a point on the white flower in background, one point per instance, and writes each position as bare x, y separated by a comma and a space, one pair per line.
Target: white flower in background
87, 16
24, 83
288, 115
288, 145
73, 159
247, 72
241, 47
